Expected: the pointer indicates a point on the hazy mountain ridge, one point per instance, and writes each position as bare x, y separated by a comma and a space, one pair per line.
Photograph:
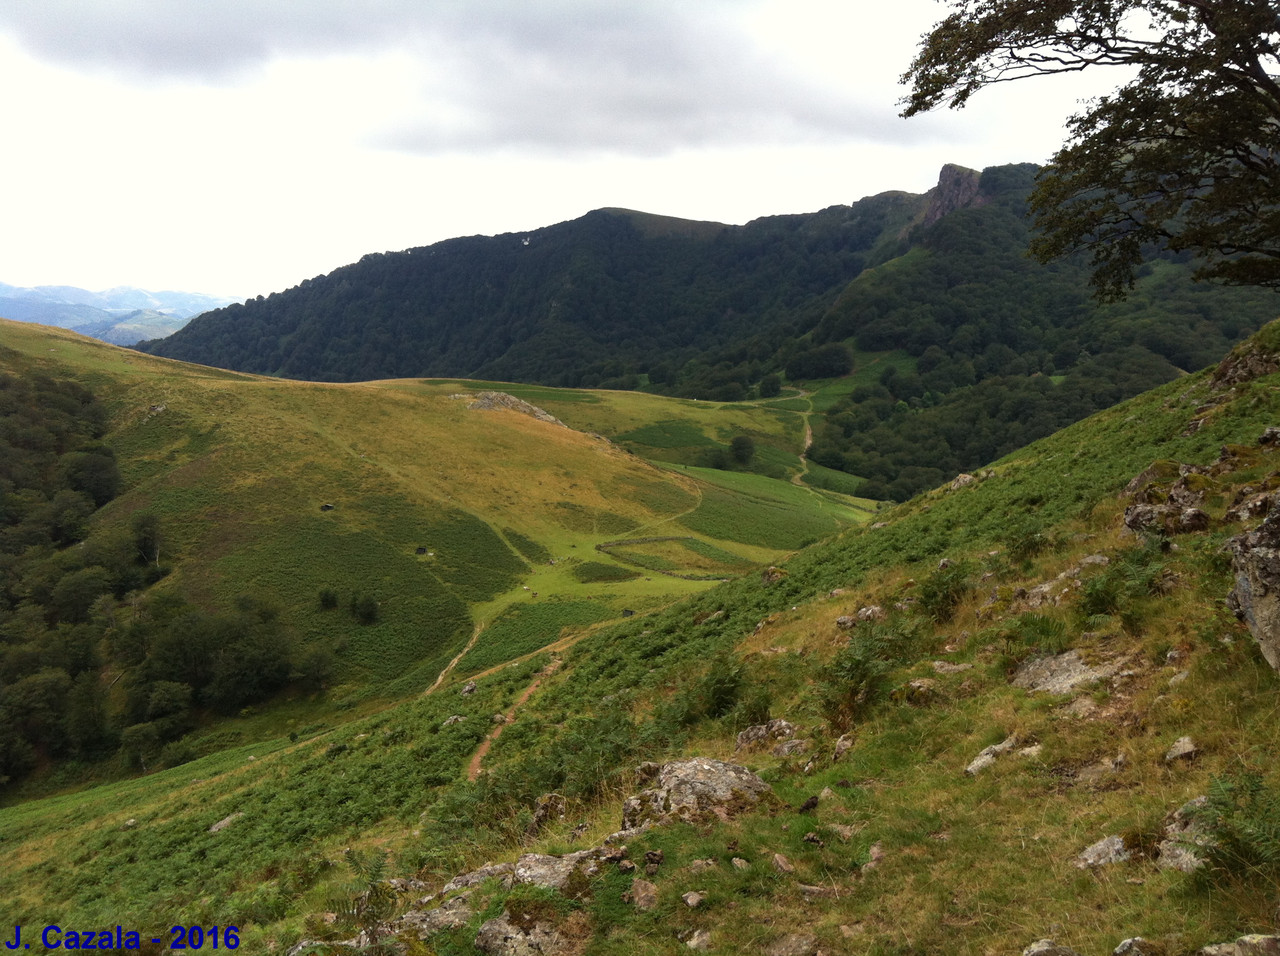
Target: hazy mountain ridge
124, 315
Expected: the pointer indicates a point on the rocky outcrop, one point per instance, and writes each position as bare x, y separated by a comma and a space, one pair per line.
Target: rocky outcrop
694, 790
1255, 559
1061, 674
502, 936
488, 401
958, 188
1252, 945
1103, 853
776, 729
989, 754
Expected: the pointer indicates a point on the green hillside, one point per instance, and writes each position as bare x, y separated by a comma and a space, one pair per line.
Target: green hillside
1027, 562
292, 551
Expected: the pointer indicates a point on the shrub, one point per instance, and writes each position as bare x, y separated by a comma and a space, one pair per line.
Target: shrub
942, 592
1242, 816
328, 599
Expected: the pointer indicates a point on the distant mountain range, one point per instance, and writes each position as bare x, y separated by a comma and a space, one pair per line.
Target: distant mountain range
122, 316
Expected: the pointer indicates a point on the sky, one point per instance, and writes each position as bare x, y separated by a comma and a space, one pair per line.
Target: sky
237, 147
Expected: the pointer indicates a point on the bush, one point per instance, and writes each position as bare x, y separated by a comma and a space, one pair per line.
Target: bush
328, 599
364, 608
942, 592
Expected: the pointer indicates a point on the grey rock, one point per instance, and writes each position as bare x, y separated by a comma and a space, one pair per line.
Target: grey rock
489, 401
793, 944
962, 481
554, 872
225, 822
988, 755
501, 937
692, 790
1255, 559
782, 864
1047, 947
455, 719
693, 899
946, 667
469, 689
740, 864
1061, 674
776, 729
872, 612
1252, 945
846, 622
1103, 853
424, 923
843, 746
789, 747
1185, 839
1183, 748
698, 940
502, 871
1137, 946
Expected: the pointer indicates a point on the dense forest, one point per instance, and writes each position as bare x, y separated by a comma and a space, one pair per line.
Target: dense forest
990, 349
92, 664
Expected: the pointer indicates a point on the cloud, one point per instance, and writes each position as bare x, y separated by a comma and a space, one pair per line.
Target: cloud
566, 76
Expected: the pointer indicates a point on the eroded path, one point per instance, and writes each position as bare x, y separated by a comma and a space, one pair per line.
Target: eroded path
473, 769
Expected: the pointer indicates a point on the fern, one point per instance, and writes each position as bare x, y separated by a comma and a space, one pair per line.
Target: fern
1242, 816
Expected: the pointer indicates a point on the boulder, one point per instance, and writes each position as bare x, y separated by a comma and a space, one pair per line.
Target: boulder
502, 936
225, 822
1255, 559
872, 612
1103, 853
776, 729
1137, 946
1183, 748
789, 747
698, 940
693, 790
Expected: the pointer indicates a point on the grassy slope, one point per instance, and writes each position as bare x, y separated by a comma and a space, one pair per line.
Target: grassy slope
238, 467
971, 865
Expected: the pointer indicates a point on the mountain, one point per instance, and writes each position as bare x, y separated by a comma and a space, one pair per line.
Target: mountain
122, 316
931, 342
984, 720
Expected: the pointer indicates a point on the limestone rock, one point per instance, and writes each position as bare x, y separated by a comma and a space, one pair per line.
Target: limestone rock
698, 940
554, 872
846, 622
872, 612
843, 746
988, 755
794, 944
1183, 748
225, 822
424, 923
502, 871
946, 667
692, 790
1256, 596
962, 481
782, 864
1137, 946
693, 899
776, 729
503, 937
1184, 837
1060, 674
1253, 945
1106, 851
488, 401
469, 689
1047, 947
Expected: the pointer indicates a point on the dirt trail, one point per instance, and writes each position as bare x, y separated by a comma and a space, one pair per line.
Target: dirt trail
475, 636
473, 769
798, 479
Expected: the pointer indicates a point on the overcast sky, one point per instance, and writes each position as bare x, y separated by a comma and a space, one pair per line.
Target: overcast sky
237, 147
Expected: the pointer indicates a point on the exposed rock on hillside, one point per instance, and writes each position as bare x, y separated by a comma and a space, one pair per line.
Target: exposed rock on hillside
487, 401
694, 789
1256, 596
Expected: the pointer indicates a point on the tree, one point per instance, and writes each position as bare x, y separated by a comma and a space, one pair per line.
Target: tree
1185, 154
743, 449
